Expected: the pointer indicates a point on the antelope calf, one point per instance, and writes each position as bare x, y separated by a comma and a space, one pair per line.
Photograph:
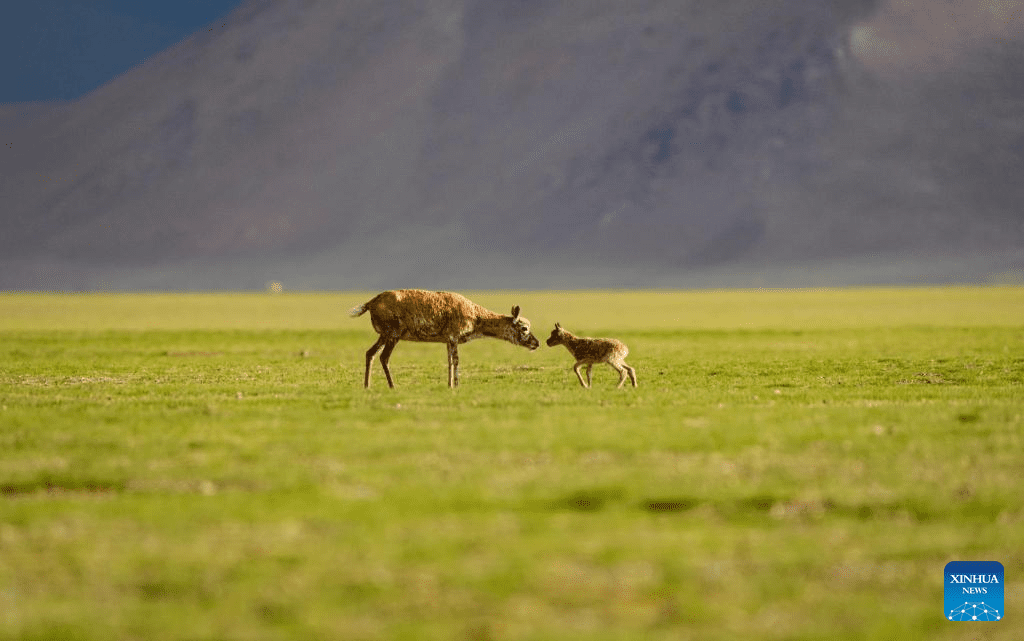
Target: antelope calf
588, 351
436, 317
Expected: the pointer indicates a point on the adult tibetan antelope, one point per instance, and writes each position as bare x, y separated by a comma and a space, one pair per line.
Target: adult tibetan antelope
436, 317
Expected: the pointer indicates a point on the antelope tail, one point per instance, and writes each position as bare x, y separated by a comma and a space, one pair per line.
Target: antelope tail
358, 311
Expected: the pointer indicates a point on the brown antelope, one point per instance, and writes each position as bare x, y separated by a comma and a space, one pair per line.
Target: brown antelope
436, 317
588, 351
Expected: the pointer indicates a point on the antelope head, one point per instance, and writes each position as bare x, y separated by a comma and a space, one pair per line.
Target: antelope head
519, 331
557, 336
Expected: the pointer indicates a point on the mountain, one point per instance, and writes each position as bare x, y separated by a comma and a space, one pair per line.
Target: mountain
467, 143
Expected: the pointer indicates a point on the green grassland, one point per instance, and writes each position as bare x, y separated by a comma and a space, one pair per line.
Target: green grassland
793, 465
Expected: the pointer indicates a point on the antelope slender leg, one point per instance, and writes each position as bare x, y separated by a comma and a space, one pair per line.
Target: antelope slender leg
632, 374
455, 353
448, 349
370, 354
622, 373
453, 365
590, 382
576, 368
385, 356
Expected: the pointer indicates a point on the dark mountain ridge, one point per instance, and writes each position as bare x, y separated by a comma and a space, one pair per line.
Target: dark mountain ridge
471, 143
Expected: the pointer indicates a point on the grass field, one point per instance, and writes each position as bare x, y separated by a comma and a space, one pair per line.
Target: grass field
793, 465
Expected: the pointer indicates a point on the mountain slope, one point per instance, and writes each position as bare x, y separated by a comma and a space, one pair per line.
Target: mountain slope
455, 141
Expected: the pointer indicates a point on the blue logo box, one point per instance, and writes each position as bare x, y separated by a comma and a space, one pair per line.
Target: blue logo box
974, 591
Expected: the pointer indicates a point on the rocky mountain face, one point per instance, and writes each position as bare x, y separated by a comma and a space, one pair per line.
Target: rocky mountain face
469, 143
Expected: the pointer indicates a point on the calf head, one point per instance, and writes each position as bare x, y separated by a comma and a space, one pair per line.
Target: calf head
557, 336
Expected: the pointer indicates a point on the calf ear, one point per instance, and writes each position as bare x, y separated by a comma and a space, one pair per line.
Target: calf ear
515, 312
557, 326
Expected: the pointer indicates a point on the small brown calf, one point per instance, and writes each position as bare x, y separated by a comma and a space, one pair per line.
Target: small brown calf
588, 351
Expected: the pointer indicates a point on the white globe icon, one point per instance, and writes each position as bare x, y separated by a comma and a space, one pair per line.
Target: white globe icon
974, 611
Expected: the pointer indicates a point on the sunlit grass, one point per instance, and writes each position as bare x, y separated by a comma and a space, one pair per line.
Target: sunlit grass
793, 465
619, 310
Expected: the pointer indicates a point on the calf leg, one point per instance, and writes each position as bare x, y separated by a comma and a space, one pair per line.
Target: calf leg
370, 354
576, 368
621, 370
590, 383
632, 373
385, 356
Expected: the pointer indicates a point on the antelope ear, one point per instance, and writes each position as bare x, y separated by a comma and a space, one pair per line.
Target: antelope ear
557, 326
515, 312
